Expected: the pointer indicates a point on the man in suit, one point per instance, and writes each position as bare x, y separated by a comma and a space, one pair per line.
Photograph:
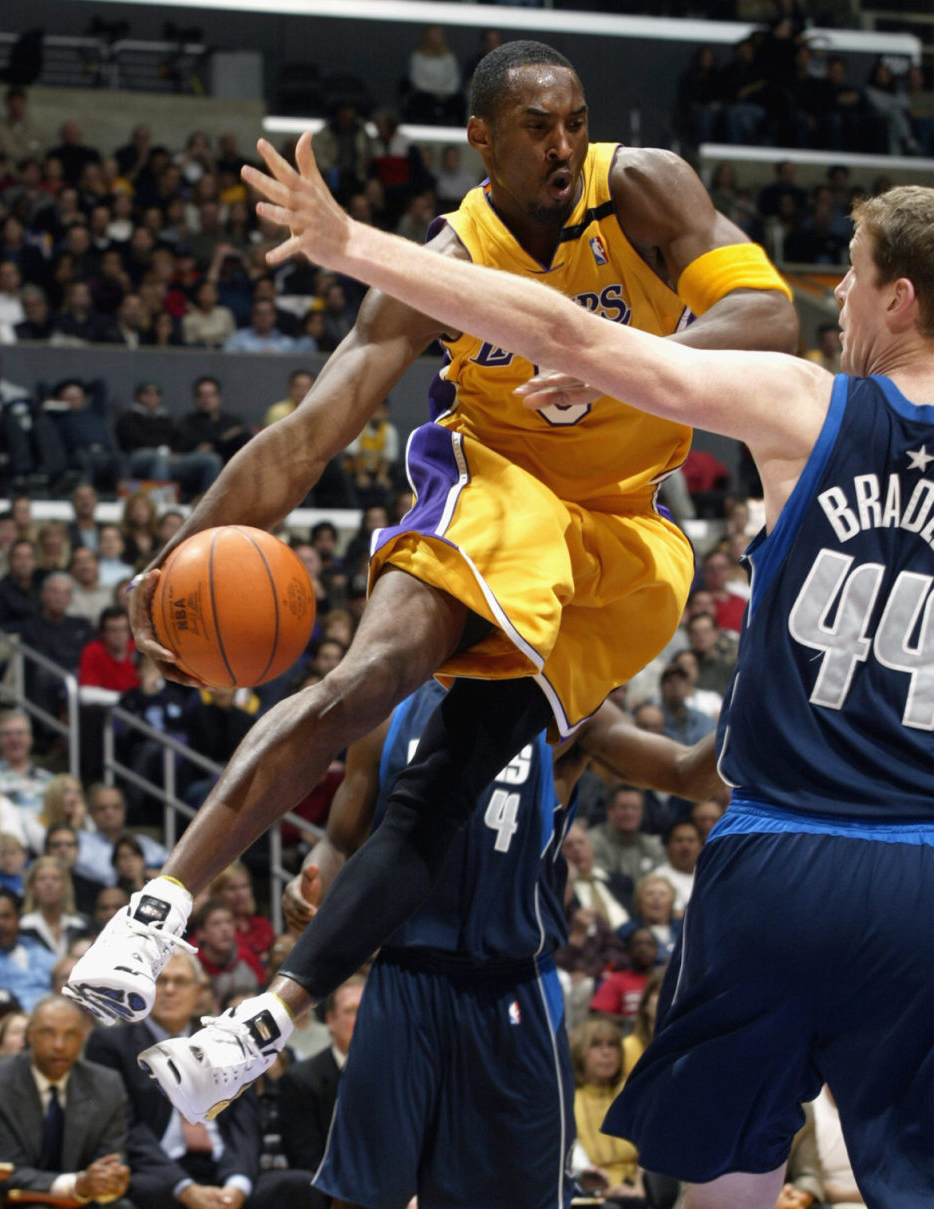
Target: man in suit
62, 1120
212, 1166
308, 1090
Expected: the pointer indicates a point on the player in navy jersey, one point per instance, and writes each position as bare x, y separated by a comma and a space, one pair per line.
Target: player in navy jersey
807, 954
458, 1085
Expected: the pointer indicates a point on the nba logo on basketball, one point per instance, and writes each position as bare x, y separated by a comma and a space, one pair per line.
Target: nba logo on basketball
515, 1016
599, 251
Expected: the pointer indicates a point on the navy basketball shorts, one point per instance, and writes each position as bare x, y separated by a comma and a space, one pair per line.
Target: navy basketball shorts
457, 1087
805, 959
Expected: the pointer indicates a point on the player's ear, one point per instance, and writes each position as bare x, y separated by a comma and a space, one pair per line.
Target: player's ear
479, 135
903, 301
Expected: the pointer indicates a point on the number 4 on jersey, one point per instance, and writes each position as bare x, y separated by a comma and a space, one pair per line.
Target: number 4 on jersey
845, 642
501, 815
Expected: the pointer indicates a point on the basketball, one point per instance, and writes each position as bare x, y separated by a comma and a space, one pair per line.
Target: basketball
235, 605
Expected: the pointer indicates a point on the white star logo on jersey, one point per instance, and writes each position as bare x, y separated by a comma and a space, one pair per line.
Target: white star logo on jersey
918, 458
599, 251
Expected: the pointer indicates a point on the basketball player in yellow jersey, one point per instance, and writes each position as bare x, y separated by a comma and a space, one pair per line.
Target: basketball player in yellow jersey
521, 543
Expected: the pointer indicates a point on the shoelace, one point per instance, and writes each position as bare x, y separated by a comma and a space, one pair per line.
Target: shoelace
238, 1031
151, 932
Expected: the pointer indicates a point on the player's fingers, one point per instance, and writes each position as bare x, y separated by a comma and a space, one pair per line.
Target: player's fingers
282, 215
285, 251
281, 169
305, 159
268, 186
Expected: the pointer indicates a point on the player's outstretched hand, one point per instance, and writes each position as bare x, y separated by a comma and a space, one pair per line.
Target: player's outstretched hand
551, 386
144, 636
300, 201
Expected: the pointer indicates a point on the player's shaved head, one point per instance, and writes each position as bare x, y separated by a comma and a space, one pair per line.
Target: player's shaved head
491, 83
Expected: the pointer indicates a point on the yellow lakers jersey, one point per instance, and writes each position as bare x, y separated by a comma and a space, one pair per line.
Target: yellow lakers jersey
596, 453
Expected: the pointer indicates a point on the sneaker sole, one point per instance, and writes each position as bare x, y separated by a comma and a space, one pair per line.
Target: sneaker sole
109, 1004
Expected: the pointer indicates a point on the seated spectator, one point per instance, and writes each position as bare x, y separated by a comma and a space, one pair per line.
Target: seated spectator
79, 411
235, 887
705, 815
620, 845
11, 302
13, 855
653, 902
107, 661
61, 842
620, 993
590, 884
419, 214
76, 321
371, 458
22, 781
643, 1030
148, 436
113, 567
88, 595
61, 638
107, 807
704, 700
714, 668
308, 1089
109, 900
49, 914
358, 548
20, 136
682, 722
262, 336
220, 718
84, 528
745, 96
452, 180
827, 352
173, 1162
819, 239
228, 963
25, 964
19, 589
601, 1163
72, 152
52, 547
682, 845
729, 607
889, 101
13, 1032
208, 428
434, 81
37, 322
343, 150
920, 112
300, 383
207, 322
129, 864
337, 316
160, 703
700, 97
63, 1119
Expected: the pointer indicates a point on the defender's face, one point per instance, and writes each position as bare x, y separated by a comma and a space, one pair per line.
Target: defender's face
538, 144
860, 301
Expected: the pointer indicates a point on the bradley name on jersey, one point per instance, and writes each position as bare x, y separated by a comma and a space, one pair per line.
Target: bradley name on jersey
876, 503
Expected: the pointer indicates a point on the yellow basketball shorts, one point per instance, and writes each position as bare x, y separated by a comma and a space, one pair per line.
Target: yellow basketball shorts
580, 599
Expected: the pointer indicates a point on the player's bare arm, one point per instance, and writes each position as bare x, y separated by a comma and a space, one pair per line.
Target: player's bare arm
648, 760
669, 219
733, 393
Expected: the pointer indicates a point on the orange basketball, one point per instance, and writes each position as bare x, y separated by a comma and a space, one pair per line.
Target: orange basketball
235, 605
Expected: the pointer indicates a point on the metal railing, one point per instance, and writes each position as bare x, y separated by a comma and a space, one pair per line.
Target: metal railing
173, 753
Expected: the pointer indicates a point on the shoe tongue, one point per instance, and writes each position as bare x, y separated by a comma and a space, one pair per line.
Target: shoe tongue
263, 1028
151, 910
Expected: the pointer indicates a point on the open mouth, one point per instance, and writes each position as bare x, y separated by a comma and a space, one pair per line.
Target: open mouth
560, 182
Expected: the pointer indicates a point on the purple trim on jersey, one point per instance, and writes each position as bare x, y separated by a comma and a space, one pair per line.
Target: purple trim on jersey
437, 470
442, 394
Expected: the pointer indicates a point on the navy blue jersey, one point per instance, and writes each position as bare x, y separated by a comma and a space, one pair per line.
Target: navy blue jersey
500, 895
831, 708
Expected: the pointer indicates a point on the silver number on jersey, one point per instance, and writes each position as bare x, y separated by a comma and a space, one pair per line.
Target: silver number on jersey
501, 815
845, 642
